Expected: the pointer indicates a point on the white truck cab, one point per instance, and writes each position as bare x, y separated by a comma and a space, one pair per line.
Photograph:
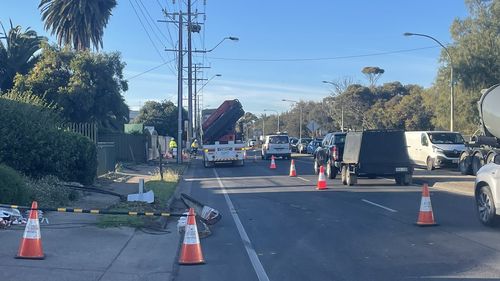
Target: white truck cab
434, 149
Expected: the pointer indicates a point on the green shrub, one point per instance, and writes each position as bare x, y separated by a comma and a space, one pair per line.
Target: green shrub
12, 187
49, 191
32, 141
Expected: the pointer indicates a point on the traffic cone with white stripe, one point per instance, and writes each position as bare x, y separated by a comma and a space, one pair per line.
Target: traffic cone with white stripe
293, 173
31, 243
425, 215
273, 164
321, 179
191, 248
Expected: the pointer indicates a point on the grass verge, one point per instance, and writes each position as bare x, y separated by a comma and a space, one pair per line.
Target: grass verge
163, 190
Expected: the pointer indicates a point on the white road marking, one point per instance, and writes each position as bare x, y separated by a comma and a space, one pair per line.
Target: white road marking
254, 259
303, 179
378, 205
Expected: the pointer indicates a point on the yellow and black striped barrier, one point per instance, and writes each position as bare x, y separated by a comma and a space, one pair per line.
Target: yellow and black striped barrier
96, 212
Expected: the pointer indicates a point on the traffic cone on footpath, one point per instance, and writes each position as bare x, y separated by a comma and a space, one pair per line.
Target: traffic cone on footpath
321, 179
31, 243
273, 164
425, 215
191, 248
293, 173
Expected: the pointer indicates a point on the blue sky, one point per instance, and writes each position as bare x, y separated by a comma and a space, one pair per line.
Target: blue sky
271, 30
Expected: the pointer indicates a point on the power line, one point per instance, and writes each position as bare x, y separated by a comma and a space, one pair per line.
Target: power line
153, 21
151, 69
147, 33
325, 58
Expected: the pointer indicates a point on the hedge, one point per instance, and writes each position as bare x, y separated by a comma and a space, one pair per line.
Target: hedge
32, 143
12, 187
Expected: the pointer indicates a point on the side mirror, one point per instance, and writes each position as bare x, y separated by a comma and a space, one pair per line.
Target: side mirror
496, 159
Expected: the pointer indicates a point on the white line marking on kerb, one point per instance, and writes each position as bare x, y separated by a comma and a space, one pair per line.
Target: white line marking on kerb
257, 266
303, 179
378, 205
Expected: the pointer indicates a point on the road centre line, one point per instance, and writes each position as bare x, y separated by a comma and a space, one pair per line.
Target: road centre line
378, 205
254, 259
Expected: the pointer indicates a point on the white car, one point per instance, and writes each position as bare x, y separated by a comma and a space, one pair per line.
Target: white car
277, 146
487, 192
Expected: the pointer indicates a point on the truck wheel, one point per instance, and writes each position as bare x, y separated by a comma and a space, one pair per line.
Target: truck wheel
343, 175
477, 163
407, 179
485, 206
351, 178
490, 158
399, 179
465, 165
430, 164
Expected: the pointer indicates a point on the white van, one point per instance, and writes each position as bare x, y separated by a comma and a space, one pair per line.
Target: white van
434, 149
276, 145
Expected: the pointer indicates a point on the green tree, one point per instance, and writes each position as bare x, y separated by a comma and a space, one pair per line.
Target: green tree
372, 73
18, 50
77, 23
476, 63
87, 87
161, 115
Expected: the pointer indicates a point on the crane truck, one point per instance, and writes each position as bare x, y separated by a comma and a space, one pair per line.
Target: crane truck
221, 144
483, 147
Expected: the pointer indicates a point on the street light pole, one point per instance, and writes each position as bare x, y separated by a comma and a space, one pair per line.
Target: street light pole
452, 96
341, 105
277, 114
300, 118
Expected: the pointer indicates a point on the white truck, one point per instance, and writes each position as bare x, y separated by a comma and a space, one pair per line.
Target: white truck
220, 141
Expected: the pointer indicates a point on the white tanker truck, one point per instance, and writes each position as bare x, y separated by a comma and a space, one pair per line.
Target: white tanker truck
483, 147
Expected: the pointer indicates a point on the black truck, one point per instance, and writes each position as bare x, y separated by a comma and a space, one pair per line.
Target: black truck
375, 153
329, 154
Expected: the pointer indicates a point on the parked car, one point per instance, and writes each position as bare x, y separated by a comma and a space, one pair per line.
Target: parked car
312, 146
434, 149
329, 154
293, 144
302, 144
376, 153
487, 192
277, 145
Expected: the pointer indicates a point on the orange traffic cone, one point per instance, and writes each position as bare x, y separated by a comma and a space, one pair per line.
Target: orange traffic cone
321, 179
273, 164
31, 243
191, 248
425, 216
293, 173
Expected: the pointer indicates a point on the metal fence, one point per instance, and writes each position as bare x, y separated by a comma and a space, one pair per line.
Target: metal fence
128, 147
106, 157
86, 129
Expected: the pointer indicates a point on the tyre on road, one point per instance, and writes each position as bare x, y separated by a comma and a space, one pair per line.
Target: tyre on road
343, 174
430, 164
485, 206
351, 178
464, 165
477, 163
403, 179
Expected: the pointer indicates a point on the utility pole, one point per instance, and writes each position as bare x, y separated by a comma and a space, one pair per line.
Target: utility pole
195, 132
179, 94
190, 75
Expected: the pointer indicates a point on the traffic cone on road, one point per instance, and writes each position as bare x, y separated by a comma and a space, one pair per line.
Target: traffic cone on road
273, 164
31, 243
191, 248
425, 215
321, 179
293, 173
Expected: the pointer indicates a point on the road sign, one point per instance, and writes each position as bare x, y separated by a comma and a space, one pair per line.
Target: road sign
313, 126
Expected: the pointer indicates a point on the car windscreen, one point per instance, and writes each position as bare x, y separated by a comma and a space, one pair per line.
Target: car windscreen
278, 139
339, 139
305, 140
446, 138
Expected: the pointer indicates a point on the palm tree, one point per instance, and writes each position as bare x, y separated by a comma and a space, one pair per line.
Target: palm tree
77, 22
17, 53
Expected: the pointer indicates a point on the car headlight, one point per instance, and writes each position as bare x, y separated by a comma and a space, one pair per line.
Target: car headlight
437, 149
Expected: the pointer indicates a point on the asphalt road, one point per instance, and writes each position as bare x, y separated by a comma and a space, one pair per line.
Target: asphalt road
279, 228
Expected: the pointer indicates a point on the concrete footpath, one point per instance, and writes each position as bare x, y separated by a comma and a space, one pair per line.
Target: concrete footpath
77, 250
445, 180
